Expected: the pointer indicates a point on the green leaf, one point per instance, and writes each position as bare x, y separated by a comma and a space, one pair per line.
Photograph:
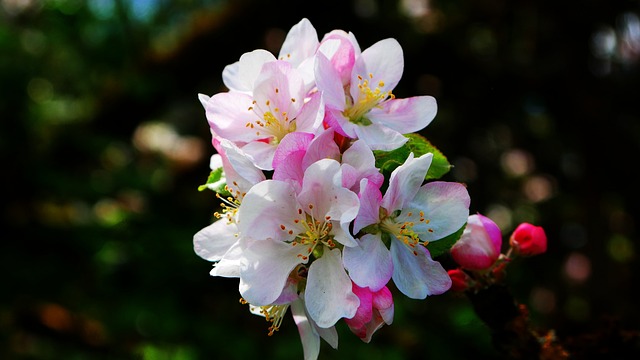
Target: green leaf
216, 182
442, 246
387, 161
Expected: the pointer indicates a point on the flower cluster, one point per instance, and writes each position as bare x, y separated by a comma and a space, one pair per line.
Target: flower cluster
322, 183
478, 252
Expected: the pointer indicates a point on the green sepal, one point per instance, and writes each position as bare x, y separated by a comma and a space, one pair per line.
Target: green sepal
216, 182
387, 161
442, 246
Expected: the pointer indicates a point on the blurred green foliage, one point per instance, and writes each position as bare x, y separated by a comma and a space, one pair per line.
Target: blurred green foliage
103, 144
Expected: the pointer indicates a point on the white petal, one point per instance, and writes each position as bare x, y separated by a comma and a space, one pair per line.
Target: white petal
229, 265
240, 170
311, 115
328, 294
405, 181
241, 75
261, 154
300, 43
379, 137
308, 336
322, 188
265, 269
384, 61
445, 205
212, 242
267, 206
415, 274
369, 264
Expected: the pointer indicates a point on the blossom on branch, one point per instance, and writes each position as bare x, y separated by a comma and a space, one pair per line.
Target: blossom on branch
307, 143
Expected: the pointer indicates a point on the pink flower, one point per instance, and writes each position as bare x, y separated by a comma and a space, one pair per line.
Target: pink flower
257, 122
298, 49
375, 310
479, 245
365, 107
408, 216
280, 229
528, 240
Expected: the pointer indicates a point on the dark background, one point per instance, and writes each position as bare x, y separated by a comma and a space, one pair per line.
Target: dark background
103, 144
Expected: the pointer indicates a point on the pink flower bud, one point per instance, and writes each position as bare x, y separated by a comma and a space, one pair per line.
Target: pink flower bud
375, 310
479, 246
460, 281
528, 240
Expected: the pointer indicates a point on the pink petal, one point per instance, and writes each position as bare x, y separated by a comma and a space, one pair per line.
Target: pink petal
369, 264
477, 249
287, 160
227, 114
329, 83
369, 212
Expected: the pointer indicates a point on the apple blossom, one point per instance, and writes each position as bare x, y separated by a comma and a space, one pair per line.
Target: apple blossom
257, 122
298, 49
366, 107
281, 229
408, 217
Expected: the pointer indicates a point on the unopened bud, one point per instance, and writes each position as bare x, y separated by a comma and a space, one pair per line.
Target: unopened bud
479, 245
528, 240
460, 281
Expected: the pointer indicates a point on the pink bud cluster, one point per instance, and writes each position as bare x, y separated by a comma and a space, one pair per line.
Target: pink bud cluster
478, 252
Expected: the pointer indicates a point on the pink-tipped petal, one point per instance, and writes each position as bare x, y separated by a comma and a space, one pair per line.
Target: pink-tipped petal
369, 264
405, 115
415, 274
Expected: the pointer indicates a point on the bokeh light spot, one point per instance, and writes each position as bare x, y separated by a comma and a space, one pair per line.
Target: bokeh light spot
543, 300
577, 267
501, 215
621, 248
538, 188
517, 162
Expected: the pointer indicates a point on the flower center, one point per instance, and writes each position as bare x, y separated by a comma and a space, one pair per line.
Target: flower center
273, 123
366, 100
403, 229
315, 232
